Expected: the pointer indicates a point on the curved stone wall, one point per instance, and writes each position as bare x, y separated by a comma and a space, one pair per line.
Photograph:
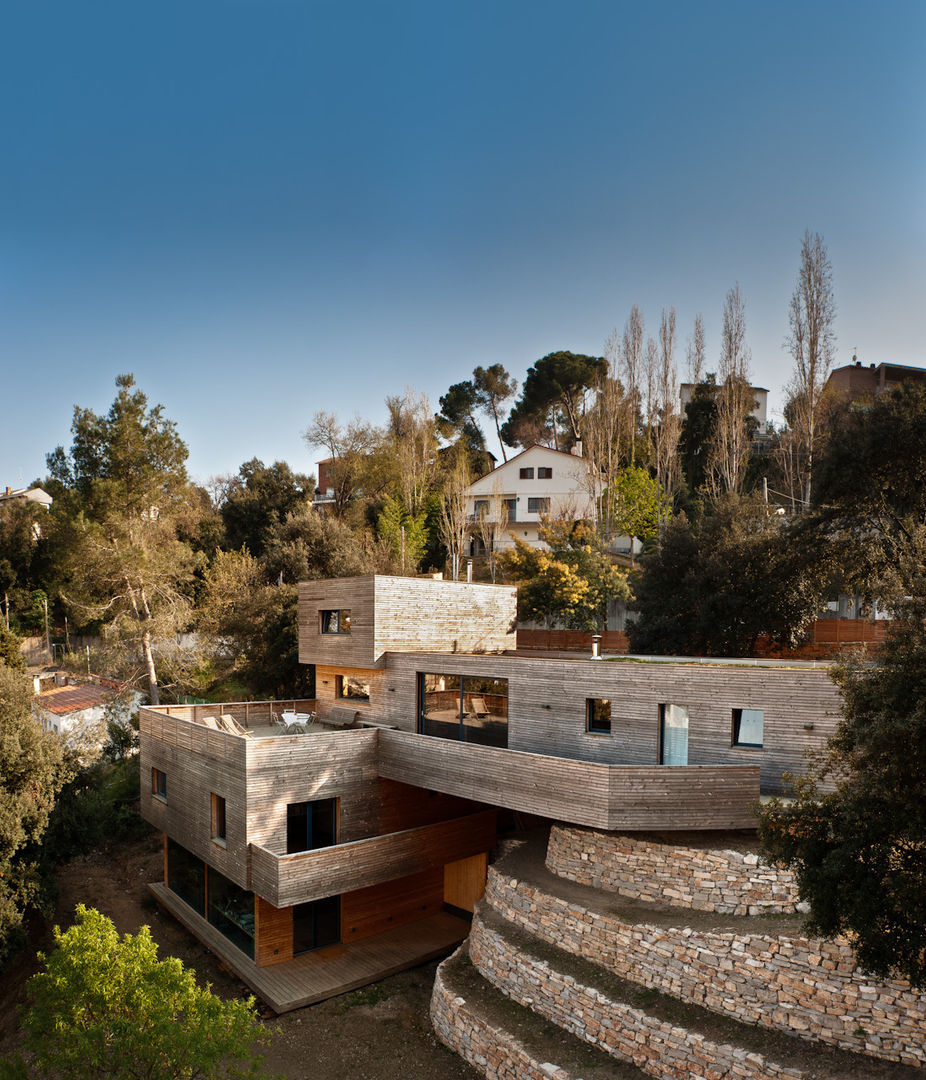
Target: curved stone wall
658, 1048
807, 987
494, 1052
724, 881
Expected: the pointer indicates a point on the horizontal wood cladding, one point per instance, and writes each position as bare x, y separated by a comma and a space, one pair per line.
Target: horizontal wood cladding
273, 942
443, 616
587, 793
311, 875
403, 614
394, 903
303, 768
405, 807
547, 707
326, 689
355, 649
197, 763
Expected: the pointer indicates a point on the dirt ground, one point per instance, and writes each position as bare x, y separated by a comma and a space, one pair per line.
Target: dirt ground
381, 1032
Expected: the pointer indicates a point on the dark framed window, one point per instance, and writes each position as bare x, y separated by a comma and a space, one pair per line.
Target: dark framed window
352, 688
311, 825
598, 716
159, 784
186, 876
316, 924
335, 621
538, 506
527, 473
230, 909
748, 727
463, 708
511, 505
218, 818
544, 473
481, 508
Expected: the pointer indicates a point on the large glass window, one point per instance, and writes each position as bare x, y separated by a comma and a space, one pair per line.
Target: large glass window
464, 708
673, 734
747, 727
186, 876
352, 688
311, 825
538, 506
231, 911
335, 621
316, 924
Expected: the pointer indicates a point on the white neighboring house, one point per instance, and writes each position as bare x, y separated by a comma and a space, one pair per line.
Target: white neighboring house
76, 712
537, 483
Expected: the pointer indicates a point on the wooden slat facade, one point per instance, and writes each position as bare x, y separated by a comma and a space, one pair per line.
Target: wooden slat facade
403, 614
586, 793
389, 904
547, 707
311, 875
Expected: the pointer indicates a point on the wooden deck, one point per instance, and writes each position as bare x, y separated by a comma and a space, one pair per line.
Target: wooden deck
324, 973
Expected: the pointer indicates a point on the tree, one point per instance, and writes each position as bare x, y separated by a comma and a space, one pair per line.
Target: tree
405, 534
359, 469
32, 772
552, 398
636, 504
859, 849
106, 1007
668, 422
493, 386
258, 497
572, 584
697, 433
453, 517
123, 486
633, 359
718, 582
811, 342
729, 448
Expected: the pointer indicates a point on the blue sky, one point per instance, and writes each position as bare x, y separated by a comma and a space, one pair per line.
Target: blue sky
267, 208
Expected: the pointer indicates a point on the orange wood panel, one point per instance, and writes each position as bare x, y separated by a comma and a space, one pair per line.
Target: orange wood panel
394, 903
273, 934
465, 881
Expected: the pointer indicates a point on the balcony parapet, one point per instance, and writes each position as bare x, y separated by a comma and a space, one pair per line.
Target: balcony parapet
313, 875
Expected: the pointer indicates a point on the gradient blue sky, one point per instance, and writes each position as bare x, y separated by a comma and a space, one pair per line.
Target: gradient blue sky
267, 208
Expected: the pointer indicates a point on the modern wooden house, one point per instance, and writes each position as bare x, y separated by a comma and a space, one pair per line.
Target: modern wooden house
317, 856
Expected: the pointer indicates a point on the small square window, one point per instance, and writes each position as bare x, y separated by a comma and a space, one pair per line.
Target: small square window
538, 506
544, 473
598, 716
748, 727
159, 784
335, 621
218, 818
353, 689
526, 474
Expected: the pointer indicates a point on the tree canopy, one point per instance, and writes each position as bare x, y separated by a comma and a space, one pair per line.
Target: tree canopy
259, 497
106, 1007
552, 398
719, 581
32, 772
859, 848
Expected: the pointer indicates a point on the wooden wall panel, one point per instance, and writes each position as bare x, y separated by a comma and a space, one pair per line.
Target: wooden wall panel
405, 807
465, 882
327, 695
355, 649
273, 934
394, 903
311, 875
547, 702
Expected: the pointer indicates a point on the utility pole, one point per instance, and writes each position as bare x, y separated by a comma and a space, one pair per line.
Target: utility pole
47, 635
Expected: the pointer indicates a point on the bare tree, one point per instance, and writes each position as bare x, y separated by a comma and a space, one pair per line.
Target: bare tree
811, 342
729, 450
632, 363
355, 464
412, 433
489, 525
453, 519
669, 421
696, 352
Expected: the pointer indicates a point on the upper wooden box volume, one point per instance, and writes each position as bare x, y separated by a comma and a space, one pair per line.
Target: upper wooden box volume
353, 622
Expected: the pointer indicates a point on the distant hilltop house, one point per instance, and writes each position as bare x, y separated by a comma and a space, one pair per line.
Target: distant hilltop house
538, 483
857, 380
35, 495
759, 411
323, 499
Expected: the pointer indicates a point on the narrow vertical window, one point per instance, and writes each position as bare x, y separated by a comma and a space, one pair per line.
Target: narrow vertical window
335, 621
159, 784
218, 818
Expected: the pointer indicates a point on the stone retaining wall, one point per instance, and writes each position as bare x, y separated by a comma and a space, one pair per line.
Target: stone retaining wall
728, 882
807, 987
653, 1045
494, 1052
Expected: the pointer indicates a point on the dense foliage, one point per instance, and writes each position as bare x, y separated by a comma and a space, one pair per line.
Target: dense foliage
106, 1007
859, 848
